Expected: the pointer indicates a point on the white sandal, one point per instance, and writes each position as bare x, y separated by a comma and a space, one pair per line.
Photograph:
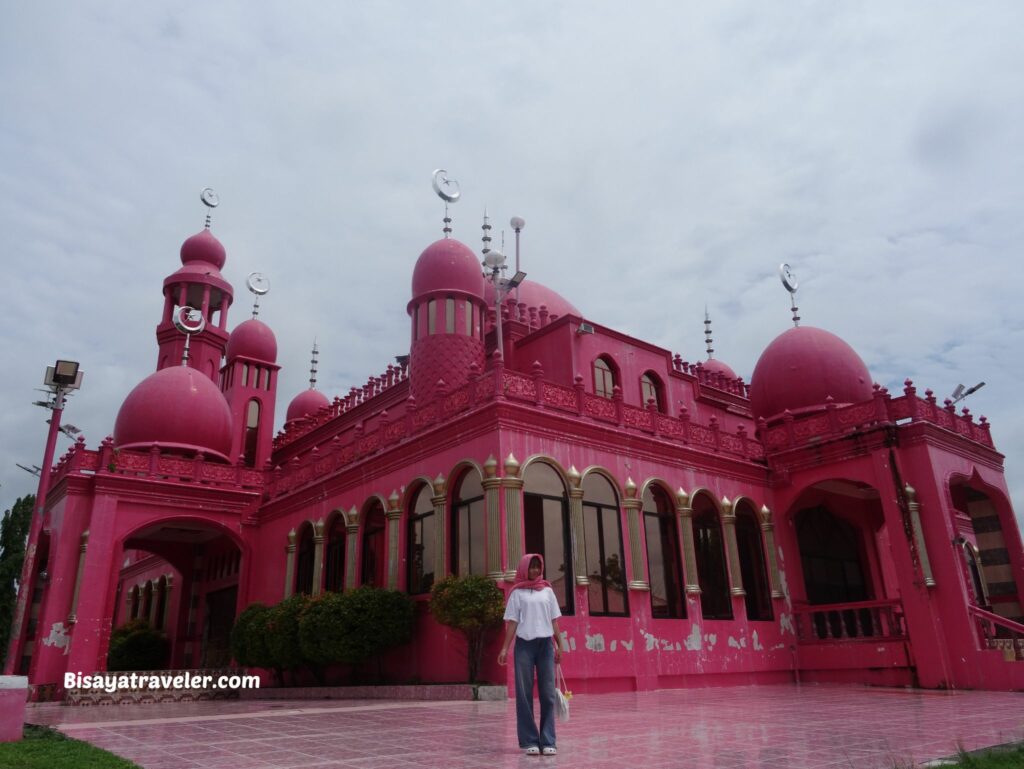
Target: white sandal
533, 750
550, 752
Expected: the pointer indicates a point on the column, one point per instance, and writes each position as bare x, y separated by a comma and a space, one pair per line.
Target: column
768, 527
915, 522
731, 549
351, 543
513, 516
579, 553
440, 500
318, 556
394, 517
168, 587
84, 542
633, 506
289, 569
685, 513
492, 500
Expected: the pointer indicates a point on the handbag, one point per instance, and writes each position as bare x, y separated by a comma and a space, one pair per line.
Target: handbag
562, 695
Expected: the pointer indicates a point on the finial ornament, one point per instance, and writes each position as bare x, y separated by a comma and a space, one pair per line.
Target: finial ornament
189, 321
707, 334
791, 284
312, 367
448, 190
486, 227
211, 200
258, 285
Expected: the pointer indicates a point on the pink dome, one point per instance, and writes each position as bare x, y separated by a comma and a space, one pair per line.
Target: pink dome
716, 366
447, 265
179, 408
535, 294
305, 403
203, 247
802, 368
253, 339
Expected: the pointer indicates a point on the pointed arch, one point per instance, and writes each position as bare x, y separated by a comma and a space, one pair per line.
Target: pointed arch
372, 528
603, 545
663, 551
546, 526
304, 557
420, 540
709, 546
753, 564
468, 519
335, 543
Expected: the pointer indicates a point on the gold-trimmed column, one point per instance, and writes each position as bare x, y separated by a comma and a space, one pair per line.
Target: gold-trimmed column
289, 568
632, 507
685, 513
83, 544
579, 551
768, 527
394, 516
731, 548
318, 556
513, 485
440, 500
915, 522
492, 499
351, 542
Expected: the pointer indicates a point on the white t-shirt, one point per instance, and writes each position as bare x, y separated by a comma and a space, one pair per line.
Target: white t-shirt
533, 610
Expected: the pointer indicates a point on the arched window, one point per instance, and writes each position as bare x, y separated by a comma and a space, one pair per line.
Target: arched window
752, 564
334, 577
373, 545
546, 528
147, 600
604, 377
134, 604
161, 603
602, 536
468, 311
468, 544
252, 425
664, 574
449, 315
421, 541
712, 576
831, 556
304, 561
431, 316
650, 389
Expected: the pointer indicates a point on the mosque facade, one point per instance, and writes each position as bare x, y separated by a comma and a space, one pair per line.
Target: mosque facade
698, 530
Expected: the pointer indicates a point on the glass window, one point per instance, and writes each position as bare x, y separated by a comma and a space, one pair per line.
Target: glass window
468, 544
431, 316
252, 431
421, 542
663, 562
334, 578
468, 311
752, 564
650, 389
712, 576
604, 378
449, 316
245, 375
546, 528
602, 535
373, 546
304, 561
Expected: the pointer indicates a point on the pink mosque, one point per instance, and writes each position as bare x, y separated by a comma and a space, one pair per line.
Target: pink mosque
698, 530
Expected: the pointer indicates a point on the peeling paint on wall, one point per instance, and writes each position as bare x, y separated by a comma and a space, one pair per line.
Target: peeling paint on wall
757, 644
693, 641
614, 644
58, 637
786, 623
595, 643
627, 645
733, 643
711, 639
650, 641
784, 586
572, 642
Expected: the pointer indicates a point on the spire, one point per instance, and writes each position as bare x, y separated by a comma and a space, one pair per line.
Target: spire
211, 200
707, 334
486, 227
448, 190
312, 367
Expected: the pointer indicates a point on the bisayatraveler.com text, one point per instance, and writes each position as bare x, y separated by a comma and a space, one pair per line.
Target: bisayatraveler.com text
114, 682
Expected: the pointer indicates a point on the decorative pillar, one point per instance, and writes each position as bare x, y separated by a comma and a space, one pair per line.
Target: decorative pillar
289, 568
351, 542
915, 522
492, 500
632, 506
440, 500
768, 527
579, 552
685, 513
513, 516
318, 556
84, 543
394, 516
731, 548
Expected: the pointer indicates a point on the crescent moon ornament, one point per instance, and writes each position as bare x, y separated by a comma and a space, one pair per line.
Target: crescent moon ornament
788, 278
447, 189
189, 320
209, 197
258, 283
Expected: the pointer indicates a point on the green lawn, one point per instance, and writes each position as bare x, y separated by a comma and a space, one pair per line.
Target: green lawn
44, 748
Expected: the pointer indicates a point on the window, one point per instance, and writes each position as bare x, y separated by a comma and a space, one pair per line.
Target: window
712, 575
546, 526
373, 546
664, 574
602, 536
468, 310
161, 603
421, 542
752, 564
830, 553
304, 561
147, 601
431, 316
650, 390
604, 378
252, 432
335, 547
468, 544
449, 316
245, 375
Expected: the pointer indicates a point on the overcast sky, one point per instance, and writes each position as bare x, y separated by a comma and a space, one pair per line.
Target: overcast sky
664, 155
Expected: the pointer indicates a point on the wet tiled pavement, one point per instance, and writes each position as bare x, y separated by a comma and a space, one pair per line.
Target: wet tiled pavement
766, 727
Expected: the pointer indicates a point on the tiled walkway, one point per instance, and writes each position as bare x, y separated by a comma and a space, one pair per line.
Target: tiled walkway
768, 727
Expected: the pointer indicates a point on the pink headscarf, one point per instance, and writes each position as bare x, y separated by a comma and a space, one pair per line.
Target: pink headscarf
523, 581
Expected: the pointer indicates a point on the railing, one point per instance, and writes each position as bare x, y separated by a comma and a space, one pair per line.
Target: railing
857, 621
1000, 633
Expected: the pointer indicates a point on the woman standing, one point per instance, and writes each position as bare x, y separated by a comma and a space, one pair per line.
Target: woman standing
531, 618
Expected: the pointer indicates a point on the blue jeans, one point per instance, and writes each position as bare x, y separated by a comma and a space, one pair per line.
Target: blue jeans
539, 655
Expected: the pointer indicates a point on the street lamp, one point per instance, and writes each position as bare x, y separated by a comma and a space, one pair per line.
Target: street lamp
494, 264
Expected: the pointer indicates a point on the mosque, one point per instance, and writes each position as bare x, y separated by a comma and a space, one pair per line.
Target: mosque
698, 530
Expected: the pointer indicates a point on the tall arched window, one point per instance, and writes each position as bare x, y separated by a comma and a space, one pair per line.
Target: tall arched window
604, 377
664, 574
373, 545
161, 603
134, 603
421, 541
650, 390
546, 528
147, 600
468, 544
712, 575
252, 425
602, 536
304, 561
752, 563
334, 577
431, 316
831, 554
449, 315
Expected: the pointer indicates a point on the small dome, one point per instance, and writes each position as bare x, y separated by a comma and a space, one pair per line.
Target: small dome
448, 265
304, 404
716, 366
253, 339
179, 408
203, 247
535, 294
802, 368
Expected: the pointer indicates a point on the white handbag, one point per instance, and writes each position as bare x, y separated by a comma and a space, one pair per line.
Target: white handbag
562, 695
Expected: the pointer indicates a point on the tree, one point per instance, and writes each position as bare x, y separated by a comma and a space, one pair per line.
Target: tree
474, 606
13, 536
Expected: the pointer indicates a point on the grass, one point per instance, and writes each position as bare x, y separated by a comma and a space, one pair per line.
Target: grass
44, 748
997, 758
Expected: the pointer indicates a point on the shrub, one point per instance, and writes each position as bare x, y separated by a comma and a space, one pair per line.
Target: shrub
283, 649
322, 631
249, 637
137, 646
474, 606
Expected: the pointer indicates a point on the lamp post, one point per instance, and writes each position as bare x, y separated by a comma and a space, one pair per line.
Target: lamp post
494, 265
